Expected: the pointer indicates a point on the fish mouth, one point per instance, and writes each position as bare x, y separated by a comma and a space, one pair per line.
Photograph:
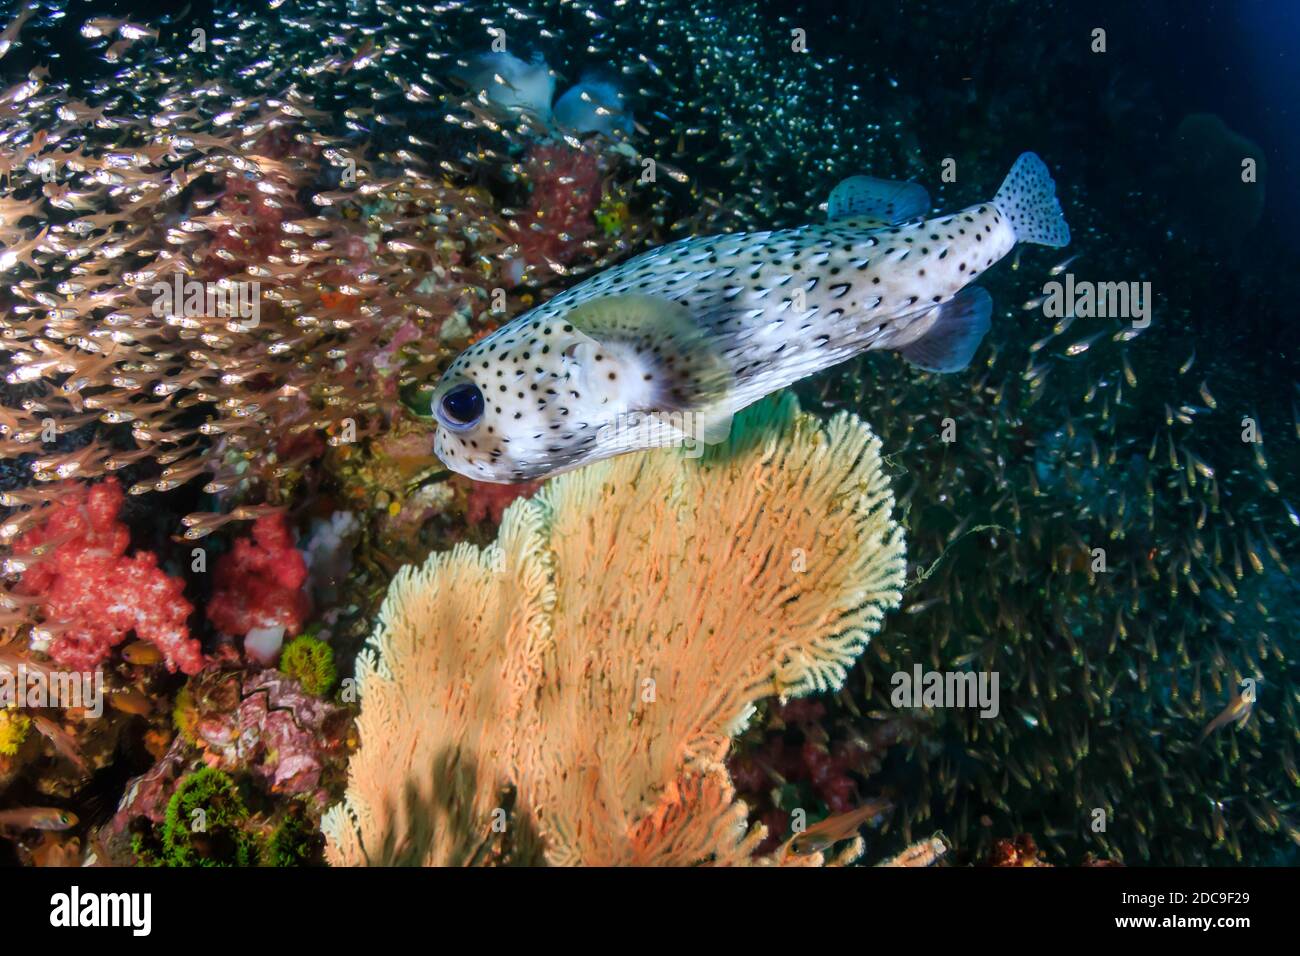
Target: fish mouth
502, 472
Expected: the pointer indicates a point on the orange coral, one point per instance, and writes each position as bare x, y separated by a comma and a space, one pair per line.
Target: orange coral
599, 658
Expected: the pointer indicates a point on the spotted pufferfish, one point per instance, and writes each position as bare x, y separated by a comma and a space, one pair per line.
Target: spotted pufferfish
664, 348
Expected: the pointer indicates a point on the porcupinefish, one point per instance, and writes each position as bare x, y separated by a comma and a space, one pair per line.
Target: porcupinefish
664, 348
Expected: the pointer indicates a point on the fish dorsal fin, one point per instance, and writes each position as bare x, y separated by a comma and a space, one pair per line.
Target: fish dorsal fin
644, 353
883, 200
950, 342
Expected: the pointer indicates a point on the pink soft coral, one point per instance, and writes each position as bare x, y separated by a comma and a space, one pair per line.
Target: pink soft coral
259, 584
566, 192
93, 595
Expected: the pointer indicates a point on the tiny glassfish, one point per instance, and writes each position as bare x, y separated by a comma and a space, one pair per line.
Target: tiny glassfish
61, 740
37, 818
836, 828
1238, 709
1060, 267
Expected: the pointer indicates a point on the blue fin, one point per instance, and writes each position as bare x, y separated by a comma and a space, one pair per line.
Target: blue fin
951, 342
885, 200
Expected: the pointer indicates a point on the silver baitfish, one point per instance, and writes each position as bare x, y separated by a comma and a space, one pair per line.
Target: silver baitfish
666, 347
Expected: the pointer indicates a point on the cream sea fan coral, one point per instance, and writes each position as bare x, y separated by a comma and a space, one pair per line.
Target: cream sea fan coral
593, 666
442, 682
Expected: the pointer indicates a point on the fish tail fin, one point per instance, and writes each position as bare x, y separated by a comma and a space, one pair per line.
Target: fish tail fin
1027, 198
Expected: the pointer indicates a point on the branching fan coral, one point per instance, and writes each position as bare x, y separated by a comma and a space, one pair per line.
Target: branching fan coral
571, 691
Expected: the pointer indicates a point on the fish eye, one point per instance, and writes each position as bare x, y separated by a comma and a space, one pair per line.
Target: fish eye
461, 407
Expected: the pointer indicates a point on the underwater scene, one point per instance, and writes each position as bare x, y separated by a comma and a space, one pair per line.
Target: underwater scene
614, 433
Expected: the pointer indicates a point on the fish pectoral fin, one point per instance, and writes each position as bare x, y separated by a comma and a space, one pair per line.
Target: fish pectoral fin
951, 341
883, 201
649, 354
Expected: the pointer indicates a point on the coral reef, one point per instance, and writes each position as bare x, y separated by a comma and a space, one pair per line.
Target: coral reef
488, 502
388, 221
793, 758
266, 725
267, 751
602, 685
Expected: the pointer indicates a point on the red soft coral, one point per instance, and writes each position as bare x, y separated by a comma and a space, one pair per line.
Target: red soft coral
260, 582
487, 500
566, 192
93, 594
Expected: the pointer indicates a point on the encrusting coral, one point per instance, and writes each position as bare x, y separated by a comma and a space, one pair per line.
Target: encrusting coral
569, 693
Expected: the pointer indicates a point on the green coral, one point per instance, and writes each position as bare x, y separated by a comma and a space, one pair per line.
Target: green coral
295, 842
13, 731
612, 216
310, 661
205, 822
